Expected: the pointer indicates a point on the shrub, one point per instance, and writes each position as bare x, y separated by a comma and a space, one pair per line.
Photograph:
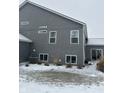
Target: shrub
55, 61
79, 67
39, 63
86, 62
100, 65
46, 64
59, 64
27, 65
68, 66
33, 62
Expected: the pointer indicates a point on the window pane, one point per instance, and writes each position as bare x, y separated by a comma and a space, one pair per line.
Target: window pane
73, 59
52, 40
74, 33
74, 40
93, 54
68, 59
45, 57
52, 34
98, 54
41, 57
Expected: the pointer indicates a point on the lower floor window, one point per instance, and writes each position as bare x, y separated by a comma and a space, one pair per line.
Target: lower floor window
71, 59
43, 57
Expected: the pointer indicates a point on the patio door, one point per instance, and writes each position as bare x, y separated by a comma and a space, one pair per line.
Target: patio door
96, 54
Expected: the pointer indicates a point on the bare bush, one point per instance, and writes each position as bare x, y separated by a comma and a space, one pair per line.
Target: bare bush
68, 65
100, 65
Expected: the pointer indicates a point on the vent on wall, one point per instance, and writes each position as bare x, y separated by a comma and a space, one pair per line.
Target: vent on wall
24, 23
41, 27
42, 31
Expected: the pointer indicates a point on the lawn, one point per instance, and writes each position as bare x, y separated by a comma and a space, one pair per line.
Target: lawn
59, 79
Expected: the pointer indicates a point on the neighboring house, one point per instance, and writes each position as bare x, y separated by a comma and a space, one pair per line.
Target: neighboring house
54, 36
94, 48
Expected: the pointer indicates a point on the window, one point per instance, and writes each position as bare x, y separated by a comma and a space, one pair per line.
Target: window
43, 57
74, 36
24, 22
71, 59
52, 37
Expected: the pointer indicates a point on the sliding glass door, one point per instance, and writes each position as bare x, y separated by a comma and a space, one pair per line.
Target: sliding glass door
96, 54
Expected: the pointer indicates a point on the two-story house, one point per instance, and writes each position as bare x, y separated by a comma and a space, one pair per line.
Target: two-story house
53, 36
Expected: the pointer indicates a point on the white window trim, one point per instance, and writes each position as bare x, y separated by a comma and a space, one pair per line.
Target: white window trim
95, 49
70, 55
71, 36
55, 37
44, 54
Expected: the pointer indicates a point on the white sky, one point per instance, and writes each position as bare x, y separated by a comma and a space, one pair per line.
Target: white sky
89, 11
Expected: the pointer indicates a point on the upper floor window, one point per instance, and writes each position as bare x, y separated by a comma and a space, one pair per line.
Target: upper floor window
24, 22
52, 37
74, 37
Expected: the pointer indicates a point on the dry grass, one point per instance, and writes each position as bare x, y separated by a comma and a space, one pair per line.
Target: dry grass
100, 65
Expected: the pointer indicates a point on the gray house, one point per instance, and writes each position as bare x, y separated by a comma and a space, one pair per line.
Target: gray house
54, 36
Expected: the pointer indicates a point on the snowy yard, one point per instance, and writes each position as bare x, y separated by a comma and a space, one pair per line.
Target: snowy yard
59, 79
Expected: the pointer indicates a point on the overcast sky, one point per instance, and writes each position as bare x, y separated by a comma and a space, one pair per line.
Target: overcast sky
89, 11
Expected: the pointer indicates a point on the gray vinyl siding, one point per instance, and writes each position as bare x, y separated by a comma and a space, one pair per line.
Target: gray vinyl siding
24, 51
40, 17
88, 50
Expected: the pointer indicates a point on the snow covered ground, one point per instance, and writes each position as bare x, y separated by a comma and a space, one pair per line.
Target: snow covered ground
31, 86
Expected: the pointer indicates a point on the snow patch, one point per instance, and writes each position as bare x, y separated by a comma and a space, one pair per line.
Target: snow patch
88, 70
35, 87
32, 87
24, 39
95, 41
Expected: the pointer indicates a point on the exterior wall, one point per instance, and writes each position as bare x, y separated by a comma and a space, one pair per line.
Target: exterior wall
88, 50
40, 17
24, 51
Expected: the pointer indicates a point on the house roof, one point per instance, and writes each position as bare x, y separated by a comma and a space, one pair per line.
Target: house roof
22, 38
55, 12
95, 41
